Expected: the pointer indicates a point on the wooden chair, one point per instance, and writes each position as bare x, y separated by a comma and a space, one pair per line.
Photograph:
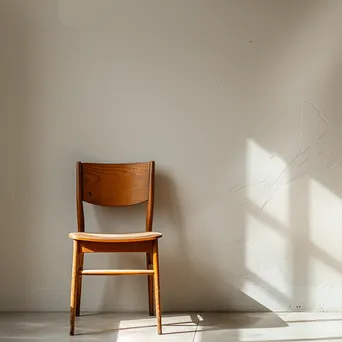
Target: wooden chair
115, 185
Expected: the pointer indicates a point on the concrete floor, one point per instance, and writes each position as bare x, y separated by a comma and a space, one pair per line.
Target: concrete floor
195, 327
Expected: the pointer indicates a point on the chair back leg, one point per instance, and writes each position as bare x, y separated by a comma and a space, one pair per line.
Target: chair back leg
157, 285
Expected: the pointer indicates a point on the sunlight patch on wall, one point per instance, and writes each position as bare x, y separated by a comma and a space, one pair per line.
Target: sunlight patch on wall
325, 219
266, 175
268, 277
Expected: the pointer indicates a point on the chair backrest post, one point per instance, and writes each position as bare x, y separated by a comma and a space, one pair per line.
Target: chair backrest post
79, 197
150, 202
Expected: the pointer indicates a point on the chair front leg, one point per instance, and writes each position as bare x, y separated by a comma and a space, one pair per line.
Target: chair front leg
79, 289
74, 285
149, 265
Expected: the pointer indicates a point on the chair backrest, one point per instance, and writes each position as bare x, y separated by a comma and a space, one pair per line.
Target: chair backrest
115, 185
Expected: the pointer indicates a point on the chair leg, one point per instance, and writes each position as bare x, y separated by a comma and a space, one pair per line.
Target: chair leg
150, 286
79, 289
74, 286
157, 285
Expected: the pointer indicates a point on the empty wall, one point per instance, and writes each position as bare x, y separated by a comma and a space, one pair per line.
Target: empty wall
238, 102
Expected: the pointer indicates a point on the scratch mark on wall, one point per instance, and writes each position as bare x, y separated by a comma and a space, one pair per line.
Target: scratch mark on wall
326, 158
262, 182
318, 111
277, 183
296, 178
304, 161
322, 137
234, 187
239, 187
271, 196
242, 187
332, 166
307, 149
285, 155
266, 203
290, 164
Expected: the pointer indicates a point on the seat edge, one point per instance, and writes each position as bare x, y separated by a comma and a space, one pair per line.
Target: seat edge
96, 237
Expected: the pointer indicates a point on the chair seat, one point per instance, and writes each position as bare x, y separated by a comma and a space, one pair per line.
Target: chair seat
130, 237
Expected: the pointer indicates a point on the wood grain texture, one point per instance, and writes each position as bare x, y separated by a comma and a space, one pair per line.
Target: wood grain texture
150, 285
79, 197
128, 247
74, 286
115, 184
115, 238
150, 203
117, 272
79, 289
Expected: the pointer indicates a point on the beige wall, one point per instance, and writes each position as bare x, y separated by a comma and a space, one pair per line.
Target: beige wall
239, 104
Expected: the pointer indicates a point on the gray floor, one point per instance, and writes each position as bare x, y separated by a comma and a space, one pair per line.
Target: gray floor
194, 327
